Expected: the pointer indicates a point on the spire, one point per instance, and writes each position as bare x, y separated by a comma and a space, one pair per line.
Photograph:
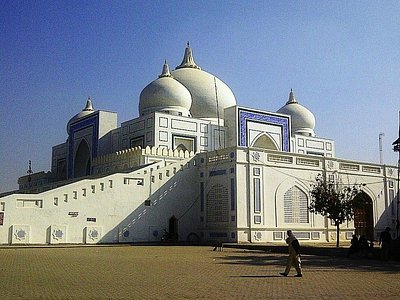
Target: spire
89, 105
292, 98
188, 60
165, 70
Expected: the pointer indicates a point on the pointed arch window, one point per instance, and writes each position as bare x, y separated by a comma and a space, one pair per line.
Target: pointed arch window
295, 203
181, 147
265, 142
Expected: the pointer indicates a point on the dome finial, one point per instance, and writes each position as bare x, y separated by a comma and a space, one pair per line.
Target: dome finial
89, 105
188, 60
292, 98
165, 70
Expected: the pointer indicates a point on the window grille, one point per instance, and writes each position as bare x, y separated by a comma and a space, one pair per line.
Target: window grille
295, 206
217, 204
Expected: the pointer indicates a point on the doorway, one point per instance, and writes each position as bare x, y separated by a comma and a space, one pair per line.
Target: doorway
173, 228
82, 162
363, 216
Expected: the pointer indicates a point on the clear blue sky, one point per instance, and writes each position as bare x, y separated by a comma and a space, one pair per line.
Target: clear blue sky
342, 58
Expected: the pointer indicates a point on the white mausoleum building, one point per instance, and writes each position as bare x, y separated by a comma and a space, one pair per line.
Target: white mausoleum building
195, 164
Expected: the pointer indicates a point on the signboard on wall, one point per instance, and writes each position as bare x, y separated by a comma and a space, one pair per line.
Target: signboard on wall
1, 218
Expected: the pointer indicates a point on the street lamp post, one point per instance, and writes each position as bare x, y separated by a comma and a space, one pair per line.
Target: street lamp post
381, 135
396, 148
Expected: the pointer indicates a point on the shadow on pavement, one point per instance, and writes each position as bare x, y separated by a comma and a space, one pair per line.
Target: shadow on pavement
314, 262
257, 276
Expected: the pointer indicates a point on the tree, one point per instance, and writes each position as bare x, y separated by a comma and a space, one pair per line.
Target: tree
335, 202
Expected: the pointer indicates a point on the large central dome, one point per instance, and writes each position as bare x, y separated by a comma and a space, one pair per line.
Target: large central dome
208, 92
187, 91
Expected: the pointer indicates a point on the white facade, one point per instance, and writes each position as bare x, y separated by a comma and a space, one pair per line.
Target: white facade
268, 193
169, 131
207, 171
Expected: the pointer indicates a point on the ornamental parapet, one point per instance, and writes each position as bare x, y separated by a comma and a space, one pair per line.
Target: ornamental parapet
127, 159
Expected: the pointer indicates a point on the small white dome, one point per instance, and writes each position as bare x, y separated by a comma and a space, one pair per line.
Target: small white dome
204, 87
303, 120
165, 94
87, 110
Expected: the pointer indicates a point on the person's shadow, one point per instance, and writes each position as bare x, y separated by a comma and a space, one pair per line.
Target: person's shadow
257, 276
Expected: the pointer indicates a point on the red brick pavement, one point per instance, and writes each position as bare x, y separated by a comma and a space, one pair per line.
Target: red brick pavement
178, 272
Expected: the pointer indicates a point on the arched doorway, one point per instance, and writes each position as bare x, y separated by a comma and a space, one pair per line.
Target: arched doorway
173, 228
82, 162
265, 142
363, 216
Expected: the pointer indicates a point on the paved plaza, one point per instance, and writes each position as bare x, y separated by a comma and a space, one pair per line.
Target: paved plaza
187, 272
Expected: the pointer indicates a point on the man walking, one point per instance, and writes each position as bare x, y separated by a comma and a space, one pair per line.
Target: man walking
294, 255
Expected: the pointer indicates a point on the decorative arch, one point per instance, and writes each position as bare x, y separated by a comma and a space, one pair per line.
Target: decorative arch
82, 161
181, 147
290, 189
184, 143
364, 216
265, 141
295, 206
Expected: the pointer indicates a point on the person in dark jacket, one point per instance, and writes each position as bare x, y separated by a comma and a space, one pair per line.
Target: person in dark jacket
294, 255
354, 247
385, 241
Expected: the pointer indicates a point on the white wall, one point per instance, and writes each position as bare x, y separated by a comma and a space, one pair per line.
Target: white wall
116, 202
